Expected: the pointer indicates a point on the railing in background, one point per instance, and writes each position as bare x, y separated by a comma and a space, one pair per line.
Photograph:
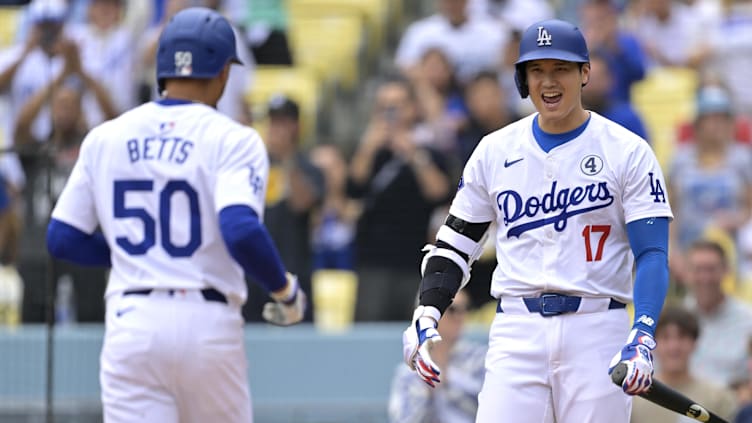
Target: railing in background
297, 374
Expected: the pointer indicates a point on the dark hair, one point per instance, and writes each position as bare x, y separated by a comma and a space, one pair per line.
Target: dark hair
454, 84
398, 79
684, 320
484, 75
708, 245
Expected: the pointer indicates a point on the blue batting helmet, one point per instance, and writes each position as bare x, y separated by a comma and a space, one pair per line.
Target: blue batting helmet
550, 39
196, 43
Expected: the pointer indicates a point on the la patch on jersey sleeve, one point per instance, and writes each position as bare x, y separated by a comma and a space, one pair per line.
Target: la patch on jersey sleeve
242, 175
645, 192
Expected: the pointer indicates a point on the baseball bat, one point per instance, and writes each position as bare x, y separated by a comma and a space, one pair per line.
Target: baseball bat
666, 397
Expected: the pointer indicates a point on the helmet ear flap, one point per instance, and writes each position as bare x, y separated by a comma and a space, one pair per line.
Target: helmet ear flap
519, 80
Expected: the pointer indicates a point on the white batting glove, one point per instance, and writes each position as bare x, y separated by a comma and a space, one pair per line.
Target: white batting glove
289, 304
417, 341
637, 355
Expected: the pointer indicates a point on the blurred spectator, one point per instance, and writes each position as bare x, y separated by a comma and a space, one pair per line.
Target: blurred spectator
669, 31
234, 102
742, 131
106, 51
621, 50
400, 180
728, 52
455, 399
598, 96
294, 190
710, 179
48, 162
26, 68
516, 13
334, 222
676, 337
742, 124
439, 98
472, 45
488, 112
265, 24
725, 322
64, 97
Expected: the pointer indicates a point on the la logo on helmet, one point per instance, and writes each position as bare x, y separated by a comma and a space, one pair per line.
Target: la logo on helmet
544, 38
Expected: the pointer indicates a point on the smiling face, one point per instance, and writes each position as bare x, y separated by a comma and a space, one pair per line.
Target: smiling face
556, 91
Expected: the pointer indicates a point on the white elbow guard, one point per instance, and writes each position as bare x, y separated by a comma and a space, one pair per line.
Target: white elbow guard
461, 243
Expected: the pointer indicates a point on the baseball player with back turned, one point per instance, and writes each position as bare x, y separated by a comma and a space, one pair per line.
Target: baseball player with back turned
577, 200
178, 191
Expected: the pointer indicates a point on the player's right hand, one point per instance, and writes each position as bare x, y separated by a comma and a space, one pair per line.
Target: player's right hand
638, 357
417, 341
289, 304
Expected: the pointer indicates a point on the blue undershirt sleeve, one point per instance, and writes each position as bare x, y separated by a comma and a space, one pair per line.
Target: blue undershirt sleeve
649, 241
66, 242
250, 244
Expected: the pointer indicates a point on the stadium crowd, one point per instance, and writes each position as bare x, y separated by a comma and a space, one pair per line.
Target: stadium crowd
368, 204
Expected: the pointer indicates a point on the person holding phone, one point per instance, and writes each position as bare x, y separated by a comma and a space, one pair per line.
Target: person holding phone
399, 178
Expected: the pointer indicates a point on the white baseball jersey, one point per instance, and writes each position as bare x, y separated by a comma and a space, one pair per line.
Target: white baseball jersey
155, 179
562, 215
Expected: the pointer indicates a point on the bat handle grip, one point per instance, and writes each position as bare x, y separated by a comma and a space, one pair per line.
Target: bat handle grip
619, 373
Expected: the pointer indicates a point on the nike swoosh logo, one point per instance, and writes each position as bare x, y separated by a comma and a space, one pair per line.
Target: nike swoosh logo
507, 163
122, 311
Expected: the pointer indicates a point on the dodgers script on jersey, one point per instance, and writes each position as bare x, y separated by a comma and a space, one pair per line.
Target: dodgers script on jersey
155, 179
561, 214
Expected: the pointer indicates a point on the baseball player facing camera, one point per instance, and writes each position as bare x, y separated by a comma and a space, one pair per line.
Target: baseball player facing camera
178, 191
578, 200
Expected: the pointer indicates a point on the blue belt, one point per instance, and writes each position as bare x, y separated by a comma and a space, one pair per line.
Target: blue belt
209, 294
552, 304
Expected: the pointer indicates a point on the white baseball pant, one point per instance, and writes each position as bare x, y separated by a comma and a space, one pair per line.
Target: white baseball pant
554, 369
173, 358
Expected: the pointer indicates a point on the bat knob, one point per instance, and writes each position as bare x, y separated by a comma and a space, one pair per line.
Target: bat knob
619, 373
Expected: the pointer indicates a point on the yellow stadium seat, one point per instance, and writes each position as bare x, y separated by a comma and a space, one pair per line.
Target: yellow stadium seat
334, 299
9, 21
297, 83
329, 45
373, 12
664, 99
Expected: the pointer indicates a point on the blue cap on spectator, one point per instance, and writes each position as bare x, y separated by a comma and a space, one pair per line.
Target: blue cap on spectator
48, 11
713, 100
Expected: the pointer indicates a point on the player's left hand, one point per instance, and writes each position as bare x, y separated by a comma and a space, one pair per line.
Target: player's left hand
638, 357
289, 304
417, 341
